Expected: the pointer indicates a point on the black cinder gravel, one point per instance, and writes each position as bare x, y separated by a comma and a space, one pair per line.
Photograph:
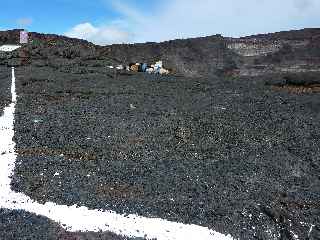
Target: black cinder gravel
231, 154
20, 225
5, 84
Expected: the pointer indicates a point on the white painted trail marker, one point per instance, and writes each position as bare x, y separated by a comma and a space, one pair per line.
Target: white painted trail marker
75, 218
8, 48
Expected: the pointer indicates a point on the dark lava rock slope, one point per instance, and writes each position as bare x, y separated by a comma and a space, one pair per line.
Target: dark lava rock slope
232, 154
5, 84
291, 51
20, 225
229, 148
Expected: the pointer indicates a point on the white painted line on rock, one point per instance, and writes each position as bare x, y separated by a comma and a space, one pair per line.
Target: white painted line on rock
9, 48
74, 218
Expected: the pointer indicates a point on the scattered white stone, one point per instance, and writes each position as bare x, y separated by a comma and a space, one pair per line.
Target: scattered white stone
119, 67
132, 106
310, 230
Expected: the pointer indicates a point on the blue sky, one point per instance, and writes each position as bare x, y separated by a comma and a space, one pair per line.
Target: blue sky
56, 16
116, 21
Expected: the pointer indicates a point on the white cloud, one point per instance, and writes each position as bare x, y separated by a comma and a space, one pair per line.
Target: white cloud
101, 35
172, 19
189, 18
24, 22
303, 4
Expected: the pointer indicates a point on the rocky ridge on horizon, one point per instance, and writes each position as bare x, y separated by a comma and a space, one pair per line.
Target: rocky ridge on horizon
283, 52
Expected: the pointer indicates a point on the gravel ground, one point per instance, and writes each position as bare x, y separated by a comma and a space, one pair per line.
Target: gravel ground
20, 225
5, 80
234, 155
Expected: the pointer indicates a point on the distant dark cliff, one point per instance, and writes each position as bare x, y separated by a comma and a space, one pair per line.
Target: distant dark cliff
291, 51
192, 57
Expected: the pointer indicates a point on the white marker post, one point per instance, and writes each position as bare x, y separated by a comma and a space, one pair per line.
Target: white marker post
74, 218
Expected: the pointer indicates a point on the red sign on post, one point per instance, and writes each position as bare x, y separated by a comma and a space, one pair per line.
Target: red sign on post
23, 37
